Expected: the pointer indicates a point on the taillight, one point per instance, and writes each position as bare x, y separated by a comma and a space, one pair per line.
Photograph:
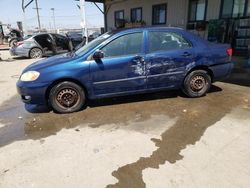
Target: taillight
19, 43
230, 52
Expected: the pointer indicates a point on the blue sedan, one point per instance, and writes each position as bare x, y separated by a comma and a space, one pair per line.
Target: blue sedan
125, 62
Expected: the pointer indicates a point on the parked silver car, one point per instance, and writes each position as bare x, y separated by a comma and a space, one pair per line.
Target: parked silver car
41, 45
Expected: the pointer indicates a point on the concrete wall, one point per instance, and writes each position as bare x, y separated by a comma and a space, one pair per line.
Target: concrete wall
177, 10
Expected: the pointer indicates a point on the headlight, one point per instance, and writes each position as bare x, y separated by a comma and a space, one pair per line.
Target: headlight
29, 76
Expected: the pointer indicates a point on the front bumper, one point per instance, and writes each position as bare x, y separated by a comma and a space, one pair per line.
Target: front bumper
32, 92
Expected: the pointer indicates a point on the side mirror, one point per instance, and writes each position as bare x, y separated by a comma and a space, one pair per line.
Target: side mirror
98, 55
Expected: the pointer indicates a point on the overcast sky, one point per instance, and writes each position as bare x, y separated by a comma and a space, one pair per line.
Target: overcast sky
66, 12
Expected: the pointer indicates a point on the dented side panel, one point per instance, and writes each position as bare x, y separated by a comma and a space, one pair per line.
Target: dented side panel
167, 69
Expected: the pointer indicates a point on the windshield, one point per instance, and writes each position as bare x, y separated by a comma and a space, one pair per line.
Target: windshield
92, 44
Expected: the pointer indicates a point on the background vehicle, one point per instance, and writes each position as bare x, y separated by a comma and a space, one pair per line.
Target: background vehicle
14, 36
41, 45
126, 62
75, 37
78, 40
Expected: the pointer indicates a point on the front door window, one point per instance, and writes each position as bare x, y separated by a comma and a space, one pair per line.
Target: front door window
125, 45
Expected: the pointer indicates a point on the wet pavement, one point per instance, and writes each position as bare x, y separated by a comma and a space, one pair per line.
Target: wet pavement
193, 118
41, 122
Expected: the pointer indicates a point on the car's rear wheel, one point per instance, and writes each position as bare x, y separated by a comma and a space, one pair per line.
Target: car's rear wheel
36, 53
67, 97
197, 83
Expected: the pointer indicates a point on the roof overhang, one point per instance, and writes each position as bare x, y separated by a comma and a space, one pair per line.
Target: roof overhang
95, 1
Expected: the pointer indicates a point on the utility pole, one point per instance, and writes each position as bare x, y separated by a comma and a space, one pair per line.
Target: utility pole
54, 19
24, 18
38, 16
83, 19
24, 24
24, 6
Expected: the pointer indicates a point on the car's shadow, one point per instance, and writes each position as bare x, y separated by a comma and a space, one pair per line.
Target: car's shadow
15, 58
123, 99
20, 58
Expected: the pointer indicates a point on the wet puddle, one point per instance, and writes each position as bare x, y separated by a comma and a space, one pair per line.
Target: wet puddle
18, 124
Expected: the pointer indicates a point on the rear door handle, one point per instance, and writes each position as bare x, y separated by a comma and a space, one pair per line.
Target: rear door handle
186, 54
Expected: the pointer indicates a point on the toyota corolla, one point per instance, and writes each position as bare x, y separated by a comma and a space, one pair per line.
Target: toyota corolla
125, 62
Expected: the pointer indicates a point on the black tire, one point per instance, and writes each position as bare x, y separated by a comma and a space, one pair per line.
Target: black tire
13, 43
197, 84
36, 53
67, 97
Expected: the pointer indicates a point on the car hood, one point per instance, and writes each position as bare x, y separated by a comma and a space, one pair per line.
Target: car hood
51, 61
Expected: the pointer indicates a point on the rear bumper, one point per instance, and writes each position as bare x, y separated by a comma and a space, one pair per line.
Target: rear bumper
19, 51
32, 93
222, 71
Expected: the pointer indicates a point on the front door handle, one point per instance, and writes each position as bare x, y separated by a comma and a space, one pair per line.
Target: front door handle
139, 58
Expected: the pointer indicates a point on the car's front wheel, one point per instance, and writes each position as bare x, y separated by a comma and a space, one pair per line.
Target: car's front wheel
67, 97
36, 53
197, 83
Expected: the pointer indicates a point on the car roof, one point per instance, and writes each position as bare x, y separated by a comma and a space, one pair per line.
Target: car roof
147, 28
191, 36
46, 34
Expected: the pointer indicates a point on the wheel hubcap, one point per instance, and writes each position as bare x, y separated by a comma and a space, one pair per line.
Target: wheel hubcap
197, 83
67, 98
36, 53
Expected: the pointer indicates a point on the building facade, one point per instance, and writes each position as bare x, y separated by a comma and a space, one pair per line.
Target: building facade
216, 20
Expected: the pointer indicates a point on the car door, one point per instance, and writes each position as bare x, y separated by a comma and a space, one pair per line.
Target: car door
167, 56
62, 43
122, 70
44, 41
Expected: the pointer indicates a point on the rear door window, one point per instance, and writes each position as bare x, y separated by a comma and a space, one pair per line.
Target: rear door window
166, 41
43, 40
61, 41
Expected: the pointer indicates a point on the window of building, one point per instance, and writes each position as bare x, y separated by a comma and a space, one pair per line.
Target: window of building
159, 14
119, 15
248, 8
125, 45
166, 41
232, 8
136, 14
197, 10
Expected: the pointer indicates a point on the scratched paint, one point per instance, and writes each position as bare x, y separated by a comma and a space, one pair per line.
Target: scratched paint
139, 68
